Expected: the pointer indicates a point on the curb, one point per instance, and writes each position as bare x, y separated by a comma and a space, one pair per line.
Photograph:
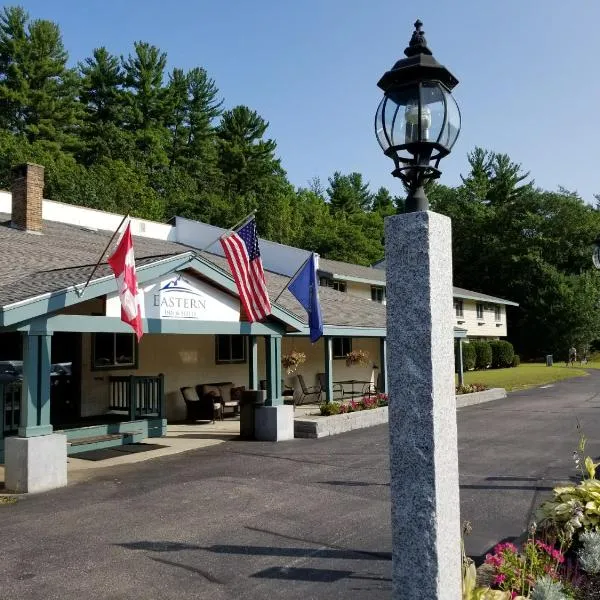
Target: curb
463, 400
318, 426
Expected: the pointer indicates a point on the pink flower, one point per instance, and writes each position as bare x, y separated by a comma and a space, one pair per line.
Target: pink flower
499, 579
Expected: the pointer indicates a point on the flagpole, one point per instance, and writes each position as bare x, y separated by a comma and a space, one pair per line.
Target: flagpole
287, 285
238, 224
80, 293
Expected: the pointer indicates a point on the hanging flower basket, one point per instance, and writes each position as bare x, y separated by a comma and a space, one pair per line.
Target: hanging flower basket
292, 361
357, 357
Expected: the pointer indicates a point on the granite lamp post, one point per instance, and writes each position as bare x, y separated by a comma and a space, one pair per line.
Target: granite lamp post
417, 124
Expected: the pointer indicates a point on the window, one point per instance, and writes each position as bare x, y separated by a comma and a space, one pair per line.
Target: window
114, 351
498, 312
377, 293
341, 346
479, 308
230, 349
339, 286
458, 308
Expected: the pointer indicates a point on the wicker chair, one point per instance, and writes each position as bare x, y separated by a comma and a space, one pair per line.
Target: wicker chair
207, 408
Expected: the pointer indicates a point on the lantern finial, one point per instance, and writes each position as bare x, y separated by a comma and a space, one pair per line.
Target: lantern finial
418, 43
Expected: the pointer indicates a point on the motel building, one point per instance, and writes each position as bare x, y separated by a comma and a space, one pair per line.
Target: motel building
72, 375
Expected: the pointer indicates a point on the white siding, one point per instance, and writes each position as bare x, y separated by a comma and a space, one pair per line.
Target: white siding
188, 360
486, 327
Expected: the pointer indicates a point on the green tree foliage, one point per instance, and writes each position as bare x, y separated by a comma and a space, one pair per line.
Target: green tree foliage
102, 94
37, 90
532, 246
135, 134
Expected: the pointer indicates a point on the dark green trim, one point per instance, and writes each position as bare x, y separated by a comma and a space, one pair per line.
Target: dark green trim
327, 342
237, 361
343, 355
55, 301
116, 367
224, 279
345, 331
273, 367
35, 388
91, 324
252, 362
383, 364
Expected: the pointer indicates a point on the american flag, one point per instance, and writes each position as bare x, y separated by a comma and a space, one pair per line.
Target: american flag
243, 255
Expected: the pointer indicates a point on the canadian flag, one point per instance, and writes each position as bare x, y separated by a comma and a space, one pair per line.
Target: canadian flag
122, 262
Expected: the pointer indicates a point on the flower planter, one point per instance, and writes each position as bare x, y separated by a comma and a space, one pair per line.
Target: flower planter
319, 426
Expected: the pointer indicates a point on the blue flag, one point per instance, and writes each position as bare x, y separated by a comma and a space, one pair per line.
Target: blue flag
305, 288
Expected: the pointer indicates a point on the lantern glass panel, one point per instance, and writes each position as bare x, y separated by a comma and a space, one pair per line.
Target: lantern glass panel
452, 127
433, 112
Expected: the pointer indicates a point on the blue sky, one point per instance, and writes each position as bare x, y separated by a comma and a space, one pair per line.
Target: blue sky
528, 73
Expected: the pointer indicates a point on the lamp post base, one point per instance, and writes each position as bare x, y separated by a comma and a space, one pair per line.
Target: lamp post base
416, 200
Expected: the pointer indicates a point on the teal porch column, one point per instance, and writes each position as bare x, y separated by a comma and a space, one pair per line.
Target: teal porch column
273, 360
383, 364
35, 391
459, 362
328, 344
252, 362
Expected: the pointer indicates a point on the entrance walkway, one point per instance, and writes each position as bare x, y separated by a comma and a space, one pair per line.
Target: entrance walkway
179, 438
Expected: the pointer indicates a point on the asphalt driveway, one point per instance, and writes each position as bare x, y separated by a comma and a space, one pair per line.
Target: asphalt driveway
301, 519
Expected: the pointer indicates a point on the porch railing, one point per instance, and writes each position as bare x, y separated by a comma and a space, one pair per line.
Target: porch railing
10, 406
140, 396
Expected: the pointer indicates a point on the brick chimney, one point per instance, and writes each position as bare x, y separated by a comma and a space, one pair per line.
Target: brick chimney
27, 193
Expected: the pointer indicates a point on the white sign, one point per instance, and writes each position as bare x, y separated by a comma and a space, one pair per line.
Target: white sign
181, 298
177, 299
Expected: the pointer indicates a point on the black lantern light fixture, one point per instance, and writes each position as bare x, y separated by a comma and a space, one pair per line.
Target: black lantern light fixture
418, 120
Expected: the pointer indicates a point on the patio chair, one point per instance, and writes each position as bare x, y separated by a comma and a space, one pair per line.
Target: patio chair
306, 394
371, 389
227, 394
207, 408
338, 388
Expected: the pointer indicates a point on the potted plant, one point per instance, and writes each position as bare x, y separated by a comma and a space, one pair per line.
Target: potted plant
292, 361
357, 357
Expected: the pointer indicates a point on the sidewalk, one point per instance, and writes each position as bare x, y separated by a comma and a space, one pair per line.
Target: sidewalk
179, 438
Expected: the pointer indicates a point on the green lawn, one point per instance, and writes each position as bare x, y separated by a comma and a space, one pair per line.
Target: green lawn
524, 376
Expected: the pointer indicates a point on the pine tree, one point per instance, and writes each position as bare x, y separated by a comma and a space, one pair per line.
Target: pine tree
37, 90
103, 98
148, 101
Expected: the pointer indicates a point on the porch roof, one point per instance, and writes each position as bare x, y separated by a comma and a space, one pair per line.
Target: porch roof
338, 308
63, 256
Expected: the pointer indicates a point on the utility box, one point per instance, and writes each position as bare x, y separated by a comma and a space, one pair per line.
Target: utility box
549, 360
250, 401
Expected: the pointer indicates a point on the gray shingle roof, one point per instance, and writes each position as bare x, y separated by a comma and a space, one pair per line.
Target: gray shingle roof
336, 267
338, 308
377, 273
64, 255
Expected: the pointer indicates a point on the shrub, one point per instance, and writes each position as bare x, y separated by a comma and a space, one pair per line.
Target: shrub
516, 361
502, 354
589, 554
341, 408
548, 589
573, 510
483, 355
470, 388
516, 571
329, 408
468, 357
